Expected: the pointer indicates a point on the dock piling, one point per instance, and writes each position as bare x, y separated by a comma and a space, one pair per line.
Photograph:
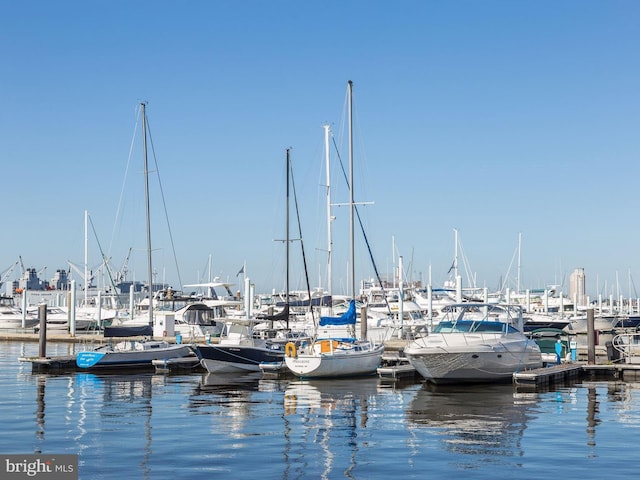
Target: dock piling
591, 338
42, 315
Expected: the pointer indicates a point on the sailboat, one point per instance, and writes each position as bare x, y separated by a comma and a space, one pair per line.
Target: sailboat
239, 349
134, 353
339, 356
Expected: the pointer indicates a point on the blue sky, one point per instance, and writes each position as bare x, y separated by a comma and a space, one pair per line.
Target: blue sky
495, 118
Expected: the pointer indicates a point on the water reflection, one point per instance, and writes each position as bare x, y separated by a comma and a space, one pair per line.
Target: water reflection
478, 421
334, 417
136, 426
303, 396
228, 399
220, 388
624, 396
619, 397
40, 406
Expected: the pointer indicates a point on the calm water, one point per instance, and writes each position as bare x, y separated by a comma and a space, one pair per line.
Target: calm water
150, 426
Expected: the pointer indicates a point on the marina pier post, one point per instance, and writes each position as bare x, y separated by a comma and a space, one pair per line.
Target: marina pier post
591, 338
42, 315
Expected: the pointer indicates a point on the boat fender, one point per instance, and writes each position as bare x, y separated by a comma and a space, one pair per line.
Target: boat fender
290, 350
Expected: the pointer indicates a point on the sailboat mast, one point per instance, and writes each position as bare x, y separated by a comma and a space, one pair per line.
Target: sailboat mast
455, 255
351, 196
329, 234
86, 258
287, 241
148, 211
519, 259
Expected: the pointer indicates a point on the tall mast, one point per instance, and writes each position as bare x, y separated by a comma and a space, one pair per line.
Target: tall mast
86, 257
329, 219
287, 241
146, 195
351, 195
519, 258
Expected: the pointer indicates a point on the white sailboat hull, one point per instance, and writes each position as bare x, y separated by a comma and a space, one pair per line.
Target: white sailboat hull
337, 363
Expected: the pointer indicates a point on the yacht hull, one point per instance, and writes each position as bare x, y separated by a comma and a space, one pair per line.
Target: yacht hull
494, 360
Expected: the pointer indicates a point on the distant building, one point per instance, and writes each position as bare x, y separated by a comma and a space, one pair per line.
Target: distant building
578, 287
60, 280
30, 281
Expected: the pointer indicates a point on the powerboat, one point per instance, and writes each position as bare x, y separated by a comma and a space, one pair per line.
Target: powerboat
58, 319
475, 343
11, 316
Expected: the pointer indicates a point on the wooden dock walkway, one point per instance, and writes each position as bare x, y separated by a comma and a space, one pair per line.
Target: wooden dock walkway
571, 372
61, 363
395, 367
555, 374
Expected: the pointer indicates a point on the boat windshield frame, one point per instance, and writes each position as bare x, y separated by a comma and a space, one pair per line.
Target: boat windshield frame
473, 326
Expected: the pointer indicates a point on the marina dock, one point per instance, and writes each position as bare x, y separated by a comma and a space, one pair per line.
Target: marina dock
394, 367
571, 372
63, 363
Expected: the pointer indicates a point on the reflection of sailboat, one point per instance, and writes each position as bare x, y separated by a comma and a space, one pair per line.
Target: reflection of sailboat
330, 394
224, 381
335, 411
481, 421
226, 399
229, 384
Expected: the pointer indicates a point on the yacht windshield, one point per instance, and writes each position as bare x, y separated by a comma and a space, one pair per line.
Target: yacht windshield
470, 326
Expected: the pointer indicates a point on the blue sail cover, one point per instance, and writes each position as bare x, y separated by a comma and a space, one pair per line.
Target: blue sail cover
347, 318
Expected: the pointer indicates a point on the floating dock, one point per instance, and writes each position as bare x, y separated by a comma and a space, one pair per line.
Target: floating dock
571, 372
555, 374
64, 363
395, 367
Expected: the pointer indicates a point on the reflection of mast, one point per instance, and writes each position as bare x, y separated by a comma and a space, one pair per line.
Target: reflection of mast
42, 383
592, 419
146, 469
328, 407
138, 389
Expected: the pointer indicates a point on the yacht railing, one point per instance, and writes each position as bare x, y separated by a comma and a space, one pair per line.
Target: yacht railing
628, 346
